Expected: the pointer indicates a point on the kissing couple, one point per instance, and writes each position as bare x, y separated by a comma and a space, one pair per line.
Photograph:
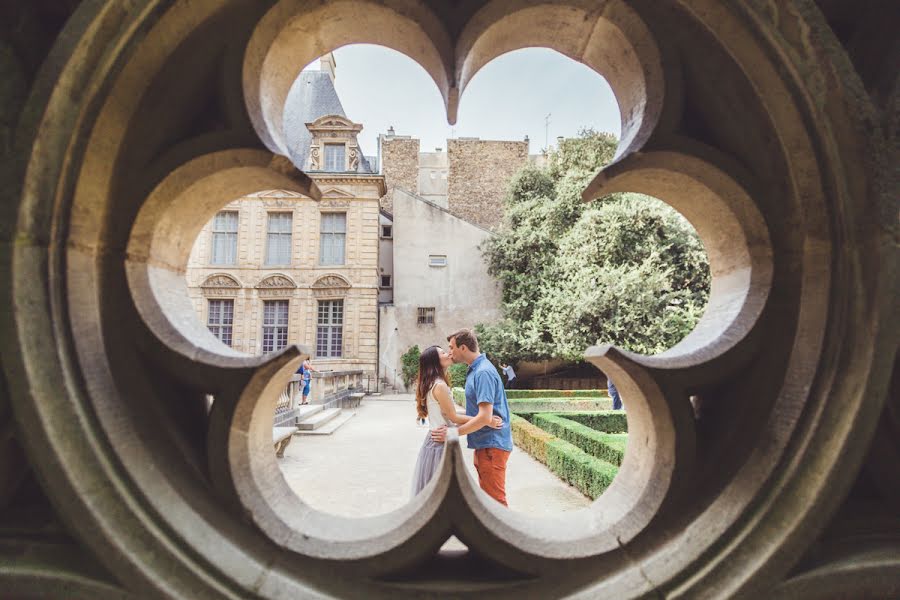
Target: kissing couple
486, 423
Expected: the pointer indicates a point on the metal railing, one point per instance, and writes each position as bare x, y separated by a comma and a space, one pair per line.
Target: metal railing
392, 377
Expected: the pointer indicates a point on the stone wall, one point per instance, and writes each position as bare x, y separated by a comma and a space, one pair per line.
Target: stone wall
479, 173
782, 482
399, 165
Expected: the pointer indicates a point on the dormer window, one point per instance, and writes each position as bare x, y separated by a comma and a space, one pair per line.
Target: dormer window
335, 158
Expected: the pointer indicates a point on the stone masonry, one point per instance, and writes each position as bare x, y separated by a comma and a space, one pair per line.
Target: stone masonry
400, 166
479, 173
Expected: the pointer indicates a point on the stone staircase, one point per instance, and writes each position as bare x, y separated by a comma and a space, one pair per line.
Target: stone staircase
388, 388
315, 419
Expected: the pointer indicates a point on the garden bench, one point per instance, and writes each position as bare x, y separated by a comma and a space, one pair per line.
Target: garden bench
355, 399
281, 437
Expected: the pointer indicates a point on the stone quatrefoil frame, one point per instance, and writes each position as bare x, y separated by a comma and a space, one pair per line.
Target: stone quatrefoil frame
744, 116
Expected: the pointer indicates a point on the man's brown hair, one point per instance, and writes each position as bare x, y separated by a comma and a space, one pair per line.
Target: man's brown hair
465, 337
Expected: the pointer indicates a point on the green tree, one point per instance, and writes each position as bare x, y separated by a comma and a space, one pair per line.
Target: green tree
410, 362
627, 270
458, 375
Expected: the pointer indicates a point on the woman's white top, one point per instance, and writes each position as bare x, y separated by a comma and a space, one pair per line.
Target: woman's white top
435, 417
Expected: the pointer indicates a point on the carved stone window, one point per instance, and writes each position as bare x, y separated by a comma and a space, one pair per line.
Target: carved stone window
220, 319
739, 495
330, 329
278, 238
332, 238
275, 325
335, 158
224, 238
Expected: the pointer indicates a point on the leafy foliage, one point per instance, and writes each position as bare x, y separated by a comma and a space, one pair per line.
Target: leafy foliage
627, 270
458, 375
410, 362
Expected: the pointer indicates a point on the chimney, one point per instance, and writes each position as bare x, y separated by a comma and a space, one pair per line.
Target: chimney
390, 131
327, 64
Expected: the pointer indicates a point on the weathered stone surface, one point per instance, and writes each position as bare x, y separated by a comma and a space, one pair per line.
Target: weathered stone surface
400, 166
726, 106
479, 173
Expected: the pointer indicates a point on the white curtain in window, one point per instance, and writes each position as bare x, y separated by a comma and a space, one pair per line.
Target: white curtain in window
335, 158
278, 242
224, 238
332, 238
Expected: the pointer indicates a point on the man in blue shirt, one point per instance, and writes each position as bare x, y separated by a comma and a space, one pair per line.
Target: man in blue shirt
485, 397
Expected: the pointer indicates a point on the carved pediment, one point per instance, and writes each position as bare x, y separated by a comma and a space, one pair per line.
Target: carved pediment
336, 193
333, 122
220, 281
276, 281
276, 194
331, 281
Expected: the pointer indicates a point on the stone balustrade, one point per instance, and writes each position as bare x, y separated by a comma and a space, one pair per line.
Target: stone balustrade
334, 387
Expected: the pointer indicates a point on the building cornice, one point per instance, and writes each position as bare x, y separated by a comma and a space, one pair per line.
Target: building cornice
347, 178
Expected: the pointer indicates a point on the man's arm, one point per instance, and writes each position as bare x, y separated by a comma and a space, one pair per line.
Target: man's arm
482, 419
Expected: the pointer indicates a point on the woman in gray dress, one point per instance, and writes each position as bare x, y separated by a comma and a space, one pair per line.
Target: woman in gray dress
434, 402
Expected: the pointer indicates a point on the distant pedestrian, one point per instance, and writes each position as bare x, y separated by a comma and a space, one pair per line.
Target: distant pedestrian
305, 371
510, 375
614, 394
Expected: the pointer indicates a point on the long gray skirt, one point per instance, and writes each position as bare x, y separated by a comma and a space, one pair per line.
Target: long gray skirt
427, 463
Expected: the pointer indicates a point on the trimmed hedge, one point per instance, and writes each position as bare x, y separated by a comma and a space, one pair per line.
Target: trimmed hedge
545, 403
606, 446
559, 404
588, 474
531, 439
608, 421
556, 394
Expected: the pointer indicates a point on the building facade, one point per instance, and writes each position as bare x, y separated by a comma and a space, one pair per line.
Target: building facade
276, 268
441, 281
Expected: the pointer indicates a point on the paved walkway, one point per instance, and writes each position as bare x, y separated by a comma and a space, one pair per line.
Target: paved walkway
365, 467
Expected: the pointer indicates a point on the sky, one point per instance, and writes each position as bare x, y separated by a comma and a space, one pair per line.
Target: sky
507, 99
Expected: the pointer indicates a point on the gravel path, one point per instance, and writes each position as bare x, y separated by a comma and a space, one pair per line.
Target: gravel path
365, 467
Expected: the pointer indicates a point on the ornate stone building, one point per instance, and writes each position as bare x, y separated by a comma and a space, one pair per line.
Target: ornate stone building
276, 267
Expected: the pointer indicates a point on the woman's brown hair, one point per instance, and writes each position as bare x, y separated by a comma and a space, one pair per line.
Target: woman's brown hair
430, 370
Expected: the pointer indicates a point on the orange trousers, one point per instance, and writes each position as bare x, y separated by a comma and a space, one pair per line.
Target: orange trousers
491, 466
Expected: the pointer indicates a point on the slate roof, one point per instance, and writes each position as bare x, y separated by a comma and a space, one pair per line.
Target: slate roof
313, 96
